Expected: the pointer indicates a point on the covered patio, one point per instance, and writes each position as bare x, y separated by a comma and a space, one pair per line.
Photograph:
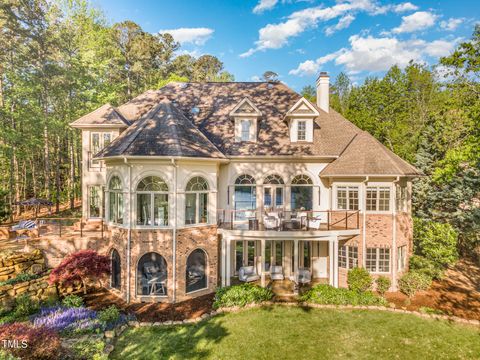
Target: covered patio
281, 260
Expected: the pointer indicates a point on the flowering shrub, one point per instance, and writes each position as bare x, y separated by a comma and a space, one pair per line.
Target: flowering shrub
63, 319
37, 343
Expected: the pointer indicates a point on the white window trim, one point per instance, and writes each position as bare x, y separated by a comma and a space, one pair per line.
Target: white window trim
377, 186
197, 208
89, 187
152, 213
347, 188
404, 258
347, 257
377, 260
304, 131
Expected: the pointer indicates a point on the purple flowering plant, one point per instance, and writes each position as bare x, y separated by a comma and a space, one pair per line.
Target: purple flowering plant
67, 320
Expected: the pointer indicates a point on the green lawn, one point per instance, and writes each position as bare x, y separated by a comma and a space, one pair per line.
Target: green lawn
295, 333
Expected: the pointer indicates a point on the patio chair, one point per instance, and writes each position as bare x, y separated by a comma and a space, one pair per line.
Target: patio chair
271, 222
247, 274
24, 225
276, 272
304, 276
314, 223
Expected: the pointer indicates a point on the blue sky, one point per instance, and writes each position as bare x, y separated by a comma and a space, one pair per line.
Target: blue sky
297, 39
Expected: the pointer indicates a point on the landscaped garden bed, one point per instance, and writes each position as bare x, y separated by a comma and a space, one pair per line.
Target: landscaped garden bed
291, 332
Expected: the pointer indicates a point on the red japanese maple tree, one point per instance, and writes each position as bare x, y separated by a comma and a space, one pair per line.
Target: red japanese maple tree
85, 266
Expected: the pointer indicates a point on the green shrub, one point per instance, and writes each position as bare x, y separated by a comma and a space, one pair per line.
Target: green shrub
23, 277
109, 315
429, 310
383, 284
89, 349
414, 281
25, 306
359, 279
428, 267
241, 295
326, 294
435, 241
72, 301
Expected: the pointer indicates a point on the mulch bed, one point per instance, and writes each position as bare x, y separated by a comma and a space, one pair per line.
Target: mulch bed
458, 293
153, 312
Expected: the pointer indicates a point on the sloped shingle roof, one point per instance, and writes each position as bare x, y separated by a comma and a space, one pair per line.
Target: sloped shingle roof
163, 131
105, 115
365, 155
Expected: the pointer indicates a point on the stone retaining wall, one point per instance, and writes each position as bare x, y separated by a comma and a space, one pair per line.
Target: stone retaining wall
15, 264
37, 289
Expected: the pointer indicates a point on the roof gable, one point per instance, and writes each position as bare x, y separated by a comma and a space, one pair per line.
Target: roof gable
104, 116
303, 107
246, 108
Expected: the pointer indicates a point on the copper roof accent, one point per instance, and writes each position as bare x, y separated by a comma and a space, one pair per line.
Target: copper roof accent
194, 119
163, 131
365, 155
105, 115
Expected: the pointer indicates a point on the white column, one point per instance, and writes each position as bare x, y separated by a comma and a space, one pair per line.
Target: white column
330, 258
335, 265
295, 259
262, 242
224, 262
228, 261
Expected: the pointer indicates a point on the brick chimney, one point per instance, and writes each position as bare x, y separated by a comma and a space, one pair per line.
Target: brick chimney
323, 91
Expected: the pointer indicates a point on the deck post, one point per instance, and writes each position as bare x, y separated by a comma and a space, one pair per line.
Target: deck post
227, 263
262, 267
335, 265
330, 258
223, 262
295, 260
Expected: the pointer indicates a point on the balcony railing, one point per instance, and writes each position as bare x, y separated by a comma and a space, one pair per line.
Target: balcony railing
283, 220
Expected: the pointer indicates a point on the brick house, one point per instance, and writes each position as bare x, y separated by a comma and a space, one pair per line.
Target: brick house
202, 184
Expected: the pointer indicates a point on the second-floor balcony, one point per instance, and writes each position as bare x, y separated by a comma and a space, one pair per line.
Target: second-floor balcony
281, 220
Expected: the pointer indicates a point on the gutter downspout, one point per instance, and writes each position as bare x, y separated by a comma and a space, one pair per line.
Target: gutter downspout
174, 235
364, 222
129, 241
394, 236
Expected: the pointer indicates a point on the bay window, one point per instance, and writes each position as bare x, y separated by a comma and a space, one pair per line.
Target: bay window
152, 202
347, 198
378, 260
196, 201
378, 198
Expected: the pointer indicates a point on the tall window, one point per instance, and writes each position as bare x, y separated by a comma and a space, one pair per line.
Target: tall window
115, 196
195, 274
348, 257
301, 193
268, 255
251, 253
273, 191
152, 202
152, 275
378, 259
347, 198
116, 279
401, 257
97, 142
245, 130
94, 201
378, 198
278, 253
301, 130
245, 195
306, 253
401, 198
238, 255
196, 201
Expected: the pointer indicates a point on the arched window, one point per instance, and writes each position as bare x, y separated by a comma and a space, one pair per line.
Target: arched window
152, 275
301, 193
115, 206
152, 202
195, 276
273, 191
116, 279
196, 201
245, 196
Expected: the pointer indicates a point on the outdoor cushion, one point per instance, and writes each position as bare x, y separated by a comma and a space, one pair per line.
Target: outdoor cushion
276, 272
247, 274
304, 276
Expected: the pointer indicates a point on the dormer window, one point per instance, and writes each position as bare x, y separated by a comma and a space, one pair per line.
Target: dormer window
301, 130
301, 118
245, 115
245, 129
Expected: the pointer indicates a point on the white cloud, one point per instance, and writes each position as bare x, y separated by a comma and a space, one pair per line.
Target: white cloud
264, 5
417, 21
275, 36
377, 54
403, 7
451, 24
255, 78
343, 23
196, 36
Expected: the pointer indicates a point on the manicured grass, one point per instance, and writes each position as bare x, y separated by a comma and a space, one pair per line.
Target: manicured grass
294, 333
